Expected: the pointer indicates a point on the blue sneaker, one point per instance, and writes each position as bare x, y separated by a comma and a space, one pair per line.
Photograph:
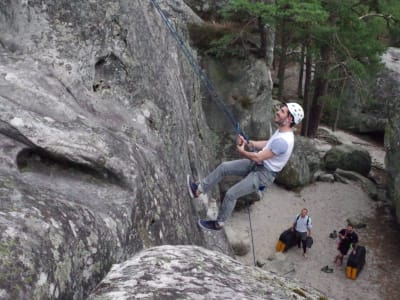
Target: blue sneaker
209, 225
192, 187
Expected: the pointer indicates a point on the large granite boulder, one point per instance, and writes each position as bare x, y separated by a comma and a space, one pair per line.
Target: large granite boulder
390, 84
302, 165
246, 89
99, 123
348, 157
191, 272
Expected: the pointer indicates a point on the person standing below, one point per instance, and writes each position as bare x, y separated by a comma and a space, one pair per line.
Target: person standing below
348, 239
302, 224
259, 168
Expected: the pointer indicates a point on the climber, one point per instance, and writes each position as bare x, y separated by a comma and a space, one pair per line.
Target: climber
259, 168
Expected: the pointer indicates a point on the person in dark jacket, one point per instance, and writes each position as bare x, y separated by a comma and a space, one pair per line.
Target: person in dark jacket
348, 239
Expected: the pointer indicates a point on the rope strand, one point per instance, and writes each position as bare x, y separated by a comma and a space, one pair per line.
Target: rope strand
251, 233
200, 73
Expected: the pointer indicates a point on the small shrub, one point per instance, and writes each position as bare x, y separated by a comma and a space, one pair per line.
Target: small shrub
218, 39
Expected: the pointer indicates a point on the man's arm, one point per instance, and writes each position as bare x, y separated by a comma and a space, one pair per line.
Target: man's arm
294, 225
257, 144
258, 157
309, 226
252, 144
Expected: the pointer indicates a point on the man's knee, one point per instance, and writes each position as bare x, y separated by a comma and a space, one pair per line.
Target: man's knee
223, 166
230, 195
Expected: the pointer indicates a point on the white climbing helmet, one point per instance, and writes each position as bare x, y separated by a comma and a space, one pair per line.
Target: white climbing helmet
296, 111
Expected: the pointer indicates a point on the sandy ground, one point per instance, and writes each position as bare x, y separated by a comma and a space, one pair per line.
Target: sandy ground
329, 205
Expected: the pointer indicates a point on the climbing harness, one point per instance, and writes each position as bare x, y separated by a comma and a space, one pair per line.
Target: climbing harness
200, 73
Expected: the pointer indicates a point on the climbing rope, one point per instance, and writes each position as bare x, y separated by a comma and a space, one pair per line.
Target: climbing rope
210, 87
200, 73
251, 233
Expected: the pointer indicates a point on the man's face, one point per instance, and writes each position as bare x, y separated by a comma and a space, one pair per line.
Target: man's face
304, 212
349, 228
282, 116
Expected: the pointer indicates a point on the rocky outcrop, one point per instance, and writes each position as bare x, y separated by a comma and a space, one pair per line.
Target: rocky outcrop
391, 92
100, 124
246, 87
190, 272
302, 165
348, 157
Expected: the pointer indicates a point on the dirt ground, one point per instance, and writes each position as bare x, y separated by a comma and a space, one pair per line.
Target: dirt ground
330, 205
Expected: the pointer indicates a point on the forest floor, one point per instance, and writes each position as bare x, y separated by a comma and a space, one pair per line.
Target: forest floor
330, 205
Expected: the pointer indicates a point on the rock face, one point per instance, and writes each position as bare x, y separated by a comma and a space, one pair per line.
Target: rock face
390, 86
348, 157
246, 87
101, 119
99, 125
190, 272
302, 165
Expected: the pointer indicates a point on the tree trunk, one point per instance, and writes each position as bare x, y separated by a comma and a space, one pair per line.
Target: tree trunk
320, 90
282, 61
307, 89
337, 113
301, 73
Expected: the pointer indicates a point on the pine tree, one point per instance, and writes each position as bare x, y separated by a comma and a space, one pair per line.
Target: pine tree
342, 42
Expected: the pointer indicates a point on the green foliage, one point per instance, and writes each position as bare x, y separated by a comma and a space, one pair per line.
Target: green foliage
224, 46
345, 39
219, 40
245, 10
303, 13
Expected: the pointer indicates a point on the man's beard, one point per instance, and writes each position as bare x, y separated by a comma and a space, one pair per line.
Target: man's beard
281, 122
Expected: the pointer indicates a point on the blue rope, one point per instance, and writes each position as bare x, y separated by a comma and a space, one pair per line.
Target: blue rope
252, 241
200, 73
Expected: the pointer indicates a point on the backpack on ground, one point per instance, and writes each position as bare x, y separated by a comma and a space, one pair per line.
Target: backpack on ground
355, 262
287, 239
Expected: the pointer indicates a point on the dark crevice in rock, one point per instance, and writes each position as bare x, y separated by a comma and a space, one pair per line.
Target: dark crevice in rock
109, 70
13, 133
37, 160
121, 32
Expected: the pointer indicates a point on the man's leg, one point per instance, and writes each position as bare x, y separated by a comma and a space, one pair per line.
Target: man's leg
339, 259
239, 167
298, 239
303, 242
244, 187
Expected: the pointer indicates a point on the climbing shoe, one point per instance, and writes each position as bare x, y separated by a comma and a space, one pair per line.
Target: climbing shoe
210, 225
192, 187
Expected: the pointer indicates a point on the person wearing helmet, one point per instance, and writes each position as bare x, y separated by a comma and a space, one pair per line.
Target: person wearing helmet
259, 168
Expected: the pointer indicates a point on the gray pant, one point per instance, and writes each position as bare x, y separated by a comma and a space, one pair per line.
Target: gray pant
256, 176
